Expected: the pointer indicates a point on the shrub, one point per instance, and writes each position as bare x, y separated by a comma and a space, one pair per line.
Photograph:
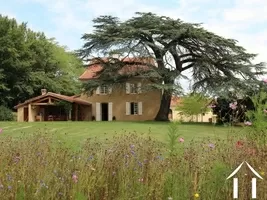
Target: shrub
6, 114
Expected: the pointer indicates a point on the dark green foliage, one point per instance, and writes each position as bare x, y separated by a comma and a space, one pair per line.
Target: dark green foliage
30, 61
6, 114
176, 46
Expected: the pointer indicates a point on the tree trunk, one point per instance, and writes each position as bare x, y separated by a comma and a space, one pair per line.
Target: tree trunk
163, 113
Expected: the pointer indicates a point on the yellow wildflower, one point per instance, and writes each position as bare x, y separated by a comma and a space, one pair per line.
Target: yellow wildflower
196, 195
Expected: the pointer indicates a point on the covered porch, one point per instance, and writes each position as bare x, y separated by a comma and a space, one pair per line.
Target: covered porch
54, 107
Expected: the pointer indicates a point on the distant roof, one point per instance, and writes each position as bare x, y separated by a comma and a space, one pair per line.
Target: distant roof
71, 99
175, 101
93, 69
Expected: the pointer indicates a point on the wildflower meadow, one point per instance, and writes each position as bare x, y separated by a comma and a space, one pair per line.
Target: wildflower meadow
134, 166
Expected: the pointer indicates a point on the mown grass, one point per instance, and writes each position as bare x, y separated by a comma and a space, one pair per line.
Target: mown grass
127, 165
75, 133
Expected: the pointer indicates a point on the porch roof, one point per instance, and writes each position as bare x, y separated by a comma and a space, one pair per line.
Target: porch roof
71, 99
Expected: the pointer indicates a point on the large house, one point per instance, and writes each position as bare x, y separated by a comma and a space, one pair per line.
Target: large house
130, 101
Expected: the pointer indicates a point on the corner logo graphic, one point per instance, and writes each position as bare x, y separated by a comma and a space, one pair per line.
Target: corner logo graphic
235, 181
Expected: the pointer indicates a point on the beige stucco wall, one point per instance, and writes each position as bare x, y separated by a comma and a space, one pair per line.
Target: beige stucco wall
177, 116
150, 101
20, 114
33, 111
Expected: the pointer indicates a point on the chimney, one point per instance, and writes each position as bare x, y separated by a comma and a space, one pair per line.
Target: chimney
43, 91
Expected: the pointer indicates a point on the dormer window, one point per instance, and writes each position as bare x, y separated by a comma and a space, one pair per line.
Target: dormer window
133, 88
103, 89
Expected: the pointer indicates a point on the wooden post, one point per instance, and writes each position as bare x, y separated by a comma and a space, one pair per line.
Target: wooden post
69, 115
30, 118
76, 112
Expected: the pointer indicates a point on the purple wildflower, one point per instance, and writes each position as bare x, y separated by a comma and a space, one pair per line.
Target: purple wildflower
1, 130
132, 152
212, 146
90, 158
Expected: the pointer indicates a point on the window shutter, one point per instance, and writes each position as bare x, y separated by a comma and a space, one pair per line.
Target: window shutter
97, 112
110, 114
127, 108
139, 87
140, 108
97, 90
110, 89
128, 88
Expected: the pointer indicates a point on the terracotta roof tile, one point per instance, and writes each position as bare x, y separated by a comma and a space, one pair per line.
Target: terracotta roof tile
175, 101
91, 71
71, 99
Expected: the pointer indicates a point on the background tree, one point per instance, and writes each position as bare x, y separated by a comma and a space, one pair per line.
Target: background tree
176, 46
194, 104
29, 61
228, 114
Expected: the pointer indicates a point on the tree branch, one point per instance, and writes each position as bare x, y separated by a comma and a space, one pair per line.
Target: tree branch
176, 58
189, 60
188, 66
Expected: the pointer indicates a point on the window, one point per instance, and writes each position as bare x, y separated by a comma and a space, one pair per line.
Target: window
103, 89
133, 88
134, 108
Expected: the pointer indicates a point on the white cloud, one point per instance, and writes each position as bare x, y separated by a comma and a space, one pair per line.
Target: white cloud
246, 13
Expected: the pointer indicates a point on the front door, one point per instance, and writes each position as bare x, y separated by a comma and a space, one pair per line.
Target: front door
104, 111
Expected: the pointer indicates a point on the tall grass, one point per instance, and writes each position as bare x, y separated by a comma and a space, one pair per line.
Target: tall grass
127, 167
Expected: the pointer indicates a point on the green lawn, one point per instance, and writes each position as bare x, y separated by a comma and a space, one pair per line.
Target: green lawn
77, 132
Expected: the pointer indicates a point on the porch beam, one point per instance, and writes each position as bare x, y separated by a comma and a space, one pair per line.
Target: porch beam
43, 104
42, 99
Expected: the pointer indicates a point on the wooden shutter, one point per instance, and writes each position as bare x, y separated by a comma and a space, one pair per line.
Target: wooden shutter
98, 112
110, 89
97, 90
110, 114
140, 108
139, 85
128, 88
128, 108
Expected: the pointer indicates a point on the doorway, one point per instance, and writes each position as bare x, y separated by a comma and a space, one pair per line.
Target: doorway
26, 114
104, 111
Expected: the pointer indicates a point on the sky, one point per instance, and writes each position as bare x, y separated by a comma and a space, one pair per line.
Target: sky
68, 20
